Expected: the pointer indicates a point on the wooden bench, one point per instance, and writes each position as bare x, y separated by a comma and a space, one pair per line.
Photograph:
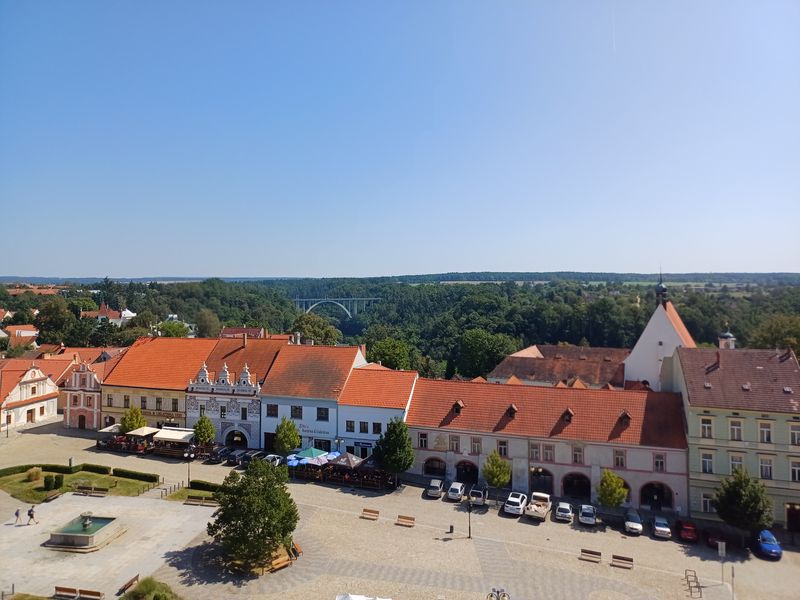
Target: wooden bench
83, 489
90, 595
52, 495
128, 584
297, 549
590, 555
623, 562
370, 514
194, 500
280, 563
209, 501
65, 592
99, 491
405, 521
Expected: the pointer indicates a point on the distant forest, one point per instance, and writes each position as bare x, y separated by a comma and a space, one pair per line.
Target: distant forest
438, 326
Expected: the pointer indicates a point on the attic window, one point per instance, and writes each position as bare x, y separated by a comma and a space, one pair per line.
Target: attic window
568, 414
746, 386
787, 390
625, 417
707, 385
512, 410
559, 356
582, 357
457, 406
606, 359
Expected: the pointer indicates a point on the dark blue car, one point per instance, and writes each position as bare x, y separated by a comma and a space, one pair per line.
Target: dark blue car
766, 546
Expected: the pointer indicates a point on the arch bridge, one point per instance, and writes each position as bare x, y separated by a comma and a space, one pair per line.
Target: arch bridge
352, 306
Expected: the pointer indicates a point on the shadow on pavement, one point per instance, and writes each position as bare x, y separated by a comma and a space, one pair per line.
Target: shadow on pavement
203, 565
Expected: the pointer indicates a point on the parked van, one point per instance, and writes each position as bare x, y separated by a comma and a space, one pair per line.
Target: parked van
234, 457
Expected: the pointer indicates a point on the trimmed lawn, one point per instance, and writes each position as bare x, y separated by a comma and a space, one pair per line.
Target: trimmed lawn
28, 597
183, 493
33, 492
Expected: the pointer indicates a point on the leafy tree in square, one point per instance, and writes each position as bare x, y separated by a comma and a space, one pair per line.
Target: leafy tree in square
287, 437
394, 450
132, 419
611, 491
204, 430
742, 501
496, 470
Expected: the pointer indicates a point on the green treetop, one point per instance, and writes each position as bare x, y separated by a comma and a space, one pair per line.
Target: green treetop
496, 470
286, 437
204, 430
742, 501
611, 491
132, 419
393, 450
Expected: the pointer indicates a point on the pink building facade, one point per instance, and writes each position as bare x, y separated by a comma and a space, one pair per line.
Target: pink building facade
83, 399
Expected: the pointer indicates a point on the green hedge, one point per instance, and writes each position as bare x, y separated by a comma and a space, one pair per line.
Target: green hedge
49, 481
59, 481
66, 469
150, 477
102, 469
207, 486
14, 470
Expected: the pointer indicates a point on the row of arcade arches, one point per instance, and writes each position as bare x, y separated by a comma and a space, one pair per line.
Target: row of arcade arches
655, 494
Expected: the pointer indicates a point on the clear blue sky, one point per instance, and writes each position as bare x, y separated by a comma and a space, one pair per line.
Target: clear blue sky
238, 138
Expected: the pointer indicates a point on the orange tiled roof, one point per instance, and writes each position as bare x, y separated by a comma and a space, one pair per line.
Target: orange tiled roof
11, 330
656, 418
161, 363
89, 355
680, 328
12, 370
310, 371
252, 332
375, 367
379, 389
256, 353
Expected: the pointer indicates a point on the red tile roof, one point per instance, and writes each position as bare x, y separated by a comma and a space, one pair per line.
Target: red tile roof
379, 389
257, 354
105, 312
656, 418
595, 366
12, 330
310, 371
742, 379
252, 332
89, 355
161, 363
680, 328
12, 370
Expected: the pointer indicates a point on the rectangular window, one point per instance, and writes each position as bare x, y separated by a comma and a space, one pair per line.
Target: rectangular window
88, 401
74, 401
83, 381
708, 463
736, 462
297, 412
41, 411
363, 427
243, 414
350, 427
619, 459
322, 413
377, 428
143, 402
502, 448
475, 445
109, 400
202, 409
706, 504
577, 455
158, 404
548, 453
795, 470
736, 431
765, 467
174, 405
126, 402
422, 440
223, 412
455, 443
350, 449
659, 463
765, 433
705, 428
272, 410
533, 451
795, 435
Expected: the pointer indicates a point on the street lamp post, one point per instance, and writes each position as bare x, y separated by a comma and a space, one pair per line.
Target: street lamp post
188, 455
469, 520
339, 441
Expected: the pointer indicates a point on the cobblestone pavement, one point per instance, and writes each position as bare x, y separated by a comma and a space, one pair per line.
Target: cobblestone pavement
345, 553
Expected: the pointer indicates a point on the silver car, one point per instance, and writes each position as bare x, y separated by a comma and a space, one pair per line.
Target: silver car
564, 512
661, 528
435, 488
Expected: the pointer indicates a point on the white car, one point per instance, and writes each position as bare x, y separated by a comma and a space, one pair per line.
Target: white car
273, 459
633, 522
456, 491
587, 515
564, 512
661, 528
515, 503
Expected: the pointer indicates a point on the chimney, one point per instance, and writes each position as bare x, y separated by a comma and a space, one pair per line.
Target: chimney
244, 340
297, 337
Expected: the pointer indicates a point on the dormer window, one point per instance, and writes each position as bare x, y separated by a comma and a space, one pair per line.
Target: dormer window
707, 385
512, 410
788, 390
746, 387
457, 406
568, 414
625, 417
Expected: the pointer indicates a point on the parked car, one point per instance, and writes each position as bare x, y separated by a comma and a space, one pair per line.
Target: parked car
249, 456
515, 503
686, 531
234, 457
564, 512
456, 491
274, 459
661, 528
217, 455
765, 545
478, 494
435, 488
633, 522
713, 536
587, 515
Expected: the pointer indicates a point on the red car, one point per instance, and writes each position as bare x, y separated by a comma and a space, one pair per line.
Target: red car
687, 531
713, 536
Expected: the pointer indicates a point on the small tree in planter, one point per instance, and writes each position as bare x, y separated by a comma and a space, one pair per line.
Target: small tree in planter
394, 450
132, 419
496, 471
286, 437
204, 431
611, 491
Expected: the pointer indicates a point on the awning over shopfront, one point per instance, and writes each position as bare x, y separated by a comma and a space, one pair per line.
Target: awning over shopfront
143, 431
171, 434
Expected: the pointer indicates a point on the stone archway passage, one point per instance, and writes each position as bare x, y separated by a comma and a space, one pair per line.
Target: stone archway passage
467, 473
236, 439
541, 481
434, 467
656, 495
578, 486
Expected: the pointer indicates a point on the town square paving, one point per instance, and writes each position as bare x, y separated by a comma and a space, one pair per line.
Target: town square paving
343, 553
